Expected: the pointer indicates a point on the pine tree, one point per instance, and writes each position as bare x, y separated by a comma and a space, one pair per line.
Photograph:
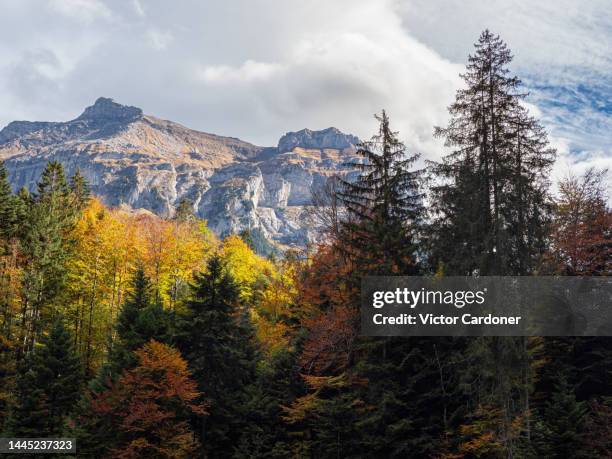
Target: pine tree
216, 341
383, 206
49, 386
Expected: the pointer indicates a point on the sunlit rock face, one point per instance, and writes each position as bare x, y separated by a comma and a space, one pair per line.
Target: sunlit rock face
141, 161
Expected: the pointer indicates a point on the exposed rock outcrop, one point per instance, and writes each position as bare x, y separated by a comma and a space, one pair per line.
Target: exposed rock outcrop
144, 162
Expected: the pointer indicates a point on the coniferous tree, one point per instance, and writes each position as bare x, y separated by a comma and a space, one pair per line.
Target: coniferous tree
8, 215
491, 217
561, 429
383, 206
139, 321
49, 386
491, 204
23, 201
216, 341
277, 384
80, 190
46, 245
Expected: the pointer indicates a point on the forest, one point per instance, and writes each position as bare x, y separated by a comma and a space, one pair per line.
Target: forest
145, 337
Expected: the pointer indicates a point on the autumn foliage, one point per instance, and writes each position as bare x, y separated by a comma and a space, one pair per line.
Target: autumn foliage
150, 406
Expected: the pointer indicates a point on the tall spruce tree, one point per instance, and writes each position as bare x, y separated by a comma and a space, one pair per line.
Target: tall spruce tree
383, 206
407, 406
491, 216
46, 246
490, 202
49, 386
216, 340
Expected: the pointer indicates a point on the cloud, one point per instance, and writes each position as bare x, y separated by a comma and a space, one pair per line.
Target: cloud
256, 69
138, 9
81, 10
248, 72
159, 40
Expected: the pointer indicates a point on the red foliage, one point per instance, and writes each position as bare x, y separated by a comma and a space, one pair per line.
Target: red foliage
150, 405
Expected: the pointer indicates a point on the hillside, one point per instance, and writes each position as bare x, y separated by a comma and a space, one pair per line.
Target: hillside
141, 161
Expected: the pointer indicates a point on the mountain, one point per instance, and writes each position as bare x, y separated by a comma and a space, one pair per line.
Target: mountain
141, 161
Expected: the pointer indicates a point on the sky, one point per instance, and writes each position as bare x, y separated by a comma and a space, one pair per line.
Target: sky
255, 69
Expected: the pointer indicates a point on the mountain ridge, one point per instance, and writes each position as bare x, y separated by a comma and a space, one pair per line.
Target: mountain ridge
138, 160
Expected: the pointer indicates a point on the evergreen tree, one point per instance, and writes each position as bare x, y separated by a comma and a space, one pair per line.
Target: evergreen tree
46, 245
23, 201
80, 190
49, 386
184, 211
216, 341
139, 321
491, 217
277, 383
8, 216
491, 204
561, 429
383, 206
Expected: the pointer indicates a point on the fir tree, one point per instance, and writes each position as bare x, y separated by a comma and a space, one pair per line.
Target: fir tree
490, 202
46, 245
139, 321
563, 423
80, 190
49, 386
383, 206
216, 341
8, 211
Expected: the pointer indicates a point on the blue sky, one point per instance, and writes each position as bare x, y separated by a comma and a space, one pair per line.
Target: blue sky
256, 69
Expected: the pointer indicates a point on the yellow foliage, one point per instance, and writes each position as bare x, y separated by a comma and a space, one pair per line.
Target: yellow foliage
109, 245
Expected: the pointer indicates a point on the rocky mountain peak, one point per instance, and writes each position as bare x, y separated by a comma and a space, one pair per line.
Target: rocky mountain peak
142, 162
326, 138
106, 109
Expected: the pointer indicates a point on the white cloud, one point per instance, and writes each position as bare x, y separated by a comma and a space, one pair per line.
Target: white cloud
249, 71
158, 39
81, 10
138, 9
255, 69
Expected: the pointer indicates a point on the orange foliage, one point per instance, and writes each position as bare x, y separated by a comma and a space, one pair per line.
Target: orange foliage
325, 282
150, 405
330, 340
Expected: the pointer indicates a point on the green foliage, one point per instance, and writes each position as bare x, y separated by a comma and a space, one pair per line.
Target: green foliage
49, 386
216, 340
258, 243
8, 207
139, 321
491, 202
80, 190
384, 205
561, 428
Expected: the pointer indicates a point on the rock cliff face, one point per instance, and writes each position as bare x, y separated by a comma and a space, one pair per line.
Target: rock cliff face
141, 161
